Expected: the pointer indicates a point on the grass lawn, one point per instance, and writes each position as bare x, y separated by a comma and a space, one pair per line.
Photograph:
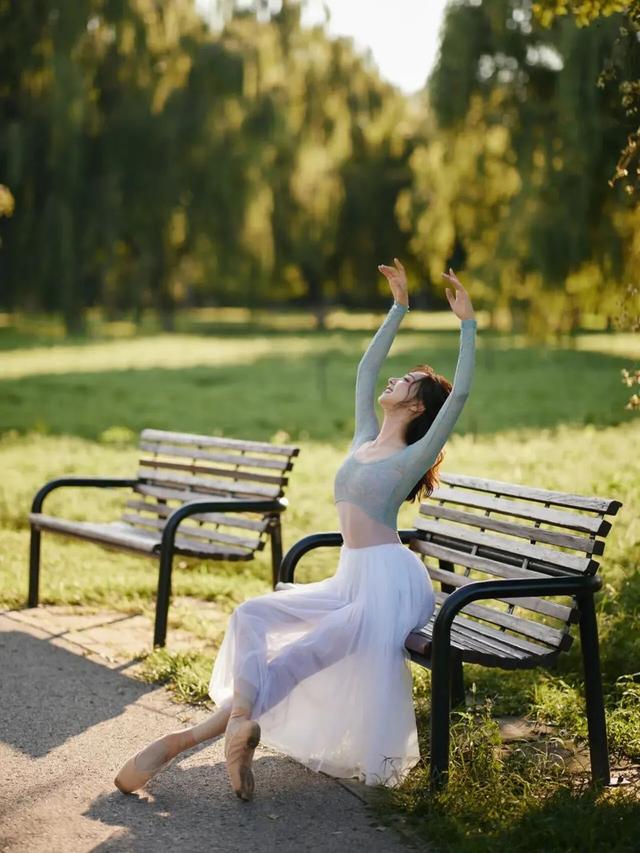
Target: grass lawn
547, 416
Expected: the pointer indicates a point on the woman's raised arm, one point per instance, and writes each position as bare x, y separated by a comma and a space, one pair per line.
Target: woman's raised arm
367, 426
421, 455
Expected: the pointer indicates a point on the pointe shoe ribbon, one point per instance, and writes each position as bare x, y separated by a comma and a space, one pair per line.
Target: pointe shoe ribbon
239, 745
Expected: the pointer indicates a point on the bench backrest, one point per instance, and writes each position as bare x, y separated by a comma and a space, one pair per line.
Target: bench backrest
476, 529
176, 468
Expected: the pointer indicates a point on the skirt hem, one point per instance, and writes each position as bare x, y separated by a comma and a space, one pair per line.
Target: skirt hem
348, 774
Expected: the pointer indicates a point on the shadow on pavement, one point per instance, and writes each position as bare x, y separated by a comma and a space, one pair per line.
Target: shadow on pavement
50, 695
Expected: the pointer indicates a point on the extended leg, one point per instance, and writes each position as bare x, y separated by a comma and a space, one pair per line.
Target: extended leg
330, 641
143, 766
259, 629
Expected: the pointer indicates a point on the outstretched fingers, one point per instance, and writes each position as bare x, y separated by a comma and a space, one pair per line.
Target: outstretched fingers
451, 276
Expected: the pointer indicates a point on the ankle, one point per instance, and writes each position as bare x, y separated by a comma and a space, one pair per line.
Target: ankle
244, 713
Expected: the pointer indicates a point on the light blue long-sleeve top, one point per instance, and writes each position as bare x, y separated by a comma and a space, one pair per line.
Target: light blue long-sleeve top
380, 487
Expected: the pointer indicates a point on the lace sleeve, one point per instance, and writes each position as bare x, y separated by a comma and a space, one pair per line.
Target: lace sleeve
367, 426
420, 456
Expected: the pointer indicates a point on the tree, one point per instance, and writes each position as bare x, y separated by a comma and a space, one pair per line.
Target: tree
512, 180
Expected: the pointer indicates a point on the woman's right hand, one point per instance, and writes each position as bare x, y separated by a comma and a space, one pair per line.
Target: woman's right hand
461, 302
397, 279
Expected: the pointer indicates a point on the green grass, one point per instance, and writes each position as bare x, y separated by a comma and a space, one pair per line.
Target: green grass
552, 417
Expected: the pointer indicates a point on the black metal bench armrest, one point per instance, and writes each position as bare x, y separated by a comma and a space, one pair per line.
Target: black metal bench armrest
518, 588
96, 482
195, 507
319, 540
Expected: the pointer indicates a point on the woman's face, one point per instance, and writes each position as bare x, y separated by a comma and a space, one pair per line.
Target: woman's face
400, 388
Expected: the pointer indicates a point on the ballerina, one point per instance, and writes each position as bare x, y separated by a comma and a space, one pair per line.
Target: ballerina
319, 671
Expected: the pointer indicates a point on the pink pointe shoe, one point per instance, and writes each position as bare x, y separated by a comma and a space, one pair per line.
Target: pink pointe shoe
144, 765
239, 745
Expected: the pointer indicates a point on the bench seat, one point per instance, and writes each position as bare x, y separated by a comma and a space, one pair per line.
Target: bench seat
127, 537
479, 643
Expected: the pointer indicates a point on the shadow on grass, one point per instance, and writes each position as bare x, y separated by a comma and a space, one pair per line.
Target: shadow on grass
311, 396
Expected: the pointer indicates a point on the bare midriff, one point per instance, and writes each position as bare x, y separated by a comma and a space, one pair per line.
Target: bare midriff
359, 530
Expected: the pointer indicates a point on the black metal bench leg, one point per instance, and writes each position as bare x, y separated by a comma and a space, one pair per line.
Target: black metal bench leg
458, 698
34, 568
596, 721
276, 548
163, 596
440, 710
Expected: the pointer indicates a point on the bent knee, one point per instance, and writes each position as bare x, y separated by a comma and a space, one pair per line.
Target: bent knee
252, 607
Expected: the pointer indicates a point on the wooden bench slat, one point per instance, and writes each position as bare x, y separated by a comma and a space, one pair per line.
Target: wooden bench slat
215, 488
217, 441
608, 506
536, 605
122, 535
249, 476
473, 561
231, 458
492, 639
539, 534
227, 519
552, 637
483, 638
188, 495
420, 641
509, 546
573, 521
112, 533
493, 648
185, 529
196, 548
467, 638
473, 650
493, 636
465, 642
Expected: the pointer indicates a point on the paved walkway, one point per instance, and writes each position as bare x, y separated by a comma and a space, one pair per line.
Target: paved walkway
72, 712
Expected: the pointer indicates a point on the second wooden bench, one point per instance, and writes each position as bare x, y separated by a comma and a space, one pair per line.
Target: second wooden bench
199, 496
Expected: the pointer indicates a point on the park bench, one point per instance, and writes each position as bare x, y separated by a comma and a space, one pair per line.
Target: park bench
199, 496
521, 548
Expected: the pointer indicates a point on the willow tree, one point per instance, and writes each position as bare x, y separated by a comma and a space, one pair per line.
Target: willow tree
84, 149
622, 69
328, 146
524, 138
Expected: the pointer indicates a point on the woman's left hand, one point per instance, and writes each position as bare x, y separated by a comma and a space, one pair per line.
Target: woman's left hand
397, 279
461, 302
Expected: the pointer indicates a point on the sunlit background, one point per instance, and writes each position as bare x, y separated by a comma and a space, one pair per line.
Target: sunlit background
269, 154
402, 36
195, 196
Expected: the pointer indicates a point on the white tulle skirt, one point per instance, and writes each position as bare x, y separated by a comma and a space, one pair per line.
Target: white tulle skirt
324, 665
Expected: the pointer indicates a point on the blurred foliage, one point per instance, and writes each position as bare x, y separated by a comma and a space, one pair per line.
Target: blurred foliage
622, 66
156, 162
159, 160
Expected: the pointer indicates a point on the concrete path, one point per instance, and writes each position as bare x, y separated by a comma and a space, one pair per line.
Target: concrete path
72, 711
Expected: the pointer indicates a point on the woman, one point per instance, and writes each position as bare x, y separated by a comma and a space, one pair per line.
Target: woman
319, 671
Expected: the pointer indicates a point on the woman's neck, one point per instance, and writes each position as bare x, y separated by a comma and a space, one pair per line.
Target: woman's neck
392, 432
